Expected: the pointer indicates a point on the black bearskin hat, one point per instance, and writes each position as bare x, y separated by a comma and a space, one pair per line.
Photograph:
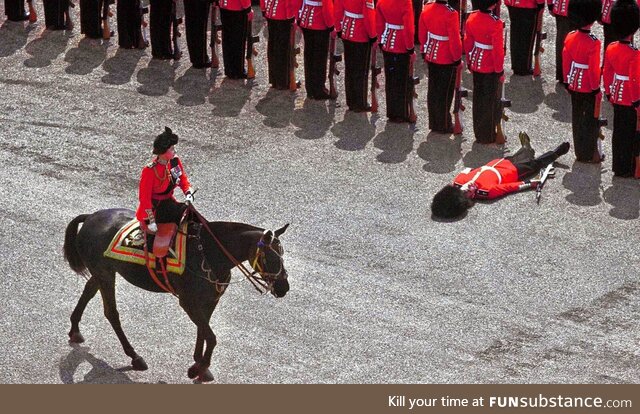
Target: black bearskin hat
164, 141
485, 4
625, 17
584, 12
450, 202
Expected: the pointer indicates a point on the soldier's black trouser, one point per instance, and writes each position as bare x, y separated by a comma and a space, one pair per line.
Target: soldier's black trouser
522, 39
91, 18
14, 9
563, 27
54, 11
625, 141
527, 165
196, 17
160, 28
129, 18
584, 126
357, 62
316, 54
440, 91
486, 106
397, 88
234, 42
279, 52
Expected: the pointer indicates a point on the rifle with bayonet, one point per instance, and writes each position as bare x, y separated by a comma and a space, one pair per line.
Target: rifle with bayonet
215, 39
504, 103
33, 16
545, 174
293, 64
460, 93
602, 122
334, 58
413, 81
540, 36
175, 31
375, 71
251, 50
106, 13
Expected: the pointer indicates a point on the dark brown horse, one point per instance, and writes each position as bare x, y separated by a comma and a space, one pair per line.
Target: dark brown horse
207, 273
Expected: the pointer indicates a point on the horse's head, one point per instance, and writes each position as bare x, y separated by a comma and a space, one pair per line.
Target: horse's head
268, 261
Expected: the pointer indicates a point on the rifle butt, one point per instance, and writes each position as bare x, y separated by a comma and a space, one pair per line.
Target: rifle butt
457, 125
33, 16
251, 71
536, 67
501, 139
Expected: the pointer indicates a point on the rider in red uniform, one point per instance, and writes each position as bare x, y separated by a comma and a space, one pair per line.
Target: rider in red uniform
495, 179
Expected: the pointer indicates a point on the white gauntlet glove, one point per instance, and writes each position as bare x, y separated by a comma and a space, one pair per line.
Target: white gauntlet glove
188, 197
153, 227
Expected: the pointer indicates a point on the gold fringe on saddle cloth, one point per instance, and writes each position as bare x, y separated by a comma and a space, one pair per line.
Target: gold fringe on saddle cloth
128, 246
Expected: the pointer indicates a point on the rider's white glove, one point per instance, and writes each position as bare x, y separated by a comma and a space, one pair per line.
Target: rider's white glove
188, 197
153, 227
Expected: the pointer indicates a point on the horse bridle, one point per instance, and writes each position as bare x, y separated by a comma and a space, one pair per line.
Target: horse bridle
259, 263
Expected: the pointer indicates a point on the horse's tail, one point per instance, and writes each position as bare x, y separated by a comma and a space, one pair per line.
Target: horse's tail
71, 253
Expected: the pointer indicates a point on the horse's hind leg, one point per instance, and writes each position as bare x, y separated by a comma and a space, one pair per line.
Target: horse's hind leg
108, 291
88, 293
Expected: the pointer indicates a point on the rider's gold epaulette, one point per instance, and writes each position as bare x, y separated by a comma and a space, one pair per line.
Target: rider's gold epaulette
152, 164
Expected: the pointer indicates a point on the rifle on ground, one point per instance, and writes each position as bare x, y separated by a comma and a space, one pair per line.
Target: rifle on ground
293, 85
504, 103
334, 58
375, 71
175, 31
413, 81
106, 13
33, 16
215, 39
68, 24
540, 36
251, 50
602, 122
544, 175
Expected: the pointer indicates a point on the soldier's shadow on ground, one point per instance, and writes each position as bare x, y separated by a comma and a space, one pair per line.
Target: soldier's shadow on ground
230, 97
440, 152
396, 142
14, 36
525, 94
277, 107
121, 67
481, 154
585, 182
157, 78
314, 119
84, 58
624, 197
46, 48
560, 102
354, 131
194, 87
99, 372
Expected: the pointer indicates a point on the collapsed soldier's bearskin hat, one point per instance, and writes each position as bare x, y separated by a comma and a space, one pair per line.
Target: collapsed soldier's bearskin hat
485, 4
450, 202
164, 141
584, 12
625, 17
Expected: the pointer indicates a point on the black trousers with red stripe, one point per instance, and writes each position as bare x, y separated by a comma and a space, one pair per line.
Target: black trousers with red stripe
54, 11
396, 85
522, 39
129, 17
14, 9
279, 52
91, 18
160, 28
316, 58
625, 141
486, 106
584, 126
234, 42
440, 91
357, 62
196, 18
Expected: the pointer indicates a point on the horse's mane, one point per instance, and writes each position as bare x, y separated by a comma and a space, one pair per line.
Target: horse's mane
232, 226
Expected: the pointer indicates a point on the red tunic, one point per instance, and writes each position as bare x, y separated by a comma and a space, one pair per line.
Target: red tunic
607, 5
316, 14
439, 33
494, 179
157, 182
234, 5
356, 19
523, 4
484, 43
280, 9
581, 61
621, 74
395, 25
561, 7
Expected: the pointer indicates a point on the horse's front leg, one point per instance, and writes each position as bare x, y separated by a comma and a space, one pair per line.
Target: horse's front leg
197, 354
200, 314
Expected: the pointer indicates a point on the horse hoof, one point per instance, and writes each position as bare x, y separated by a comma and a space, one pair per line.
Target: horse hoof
139, 364
205, 376
193, 371
76, 338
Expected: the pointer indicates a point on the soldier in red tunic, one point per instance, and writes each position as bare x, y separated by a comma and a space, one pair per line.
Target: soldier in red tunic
523, 14
356, 25
495, 179
581, 74
315, 18
280, 15
484, 47
621, 75
441, 48
395, 29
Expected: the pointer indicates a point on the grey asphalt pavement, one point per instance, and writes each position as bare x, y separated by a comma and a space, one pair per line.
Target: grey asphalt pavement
380, 292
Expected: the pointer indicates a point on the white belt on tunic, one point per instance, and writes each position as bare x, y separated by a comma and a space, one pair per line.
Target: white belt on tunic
353, 15
576, 65
482, 46
313, 3
394, 26
620, 77
437, 37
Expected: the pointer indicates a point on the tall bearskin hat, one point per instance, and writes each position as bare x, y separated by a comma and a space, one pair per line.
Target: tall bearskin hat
450, 202
485, 4
584, 12
625, 17
164, 141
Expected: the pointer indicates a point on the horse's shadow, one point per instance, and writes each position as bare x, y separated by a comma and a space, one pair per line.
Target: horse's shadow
230, 97
46, 48
624, 197
193, 87
14, 36
277, 107
121, 66
560, 102
441, 152
396, 142
88, 55
314, 119
100, 372
157, 78
584, 182
481, 154
525, 93
355, 131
